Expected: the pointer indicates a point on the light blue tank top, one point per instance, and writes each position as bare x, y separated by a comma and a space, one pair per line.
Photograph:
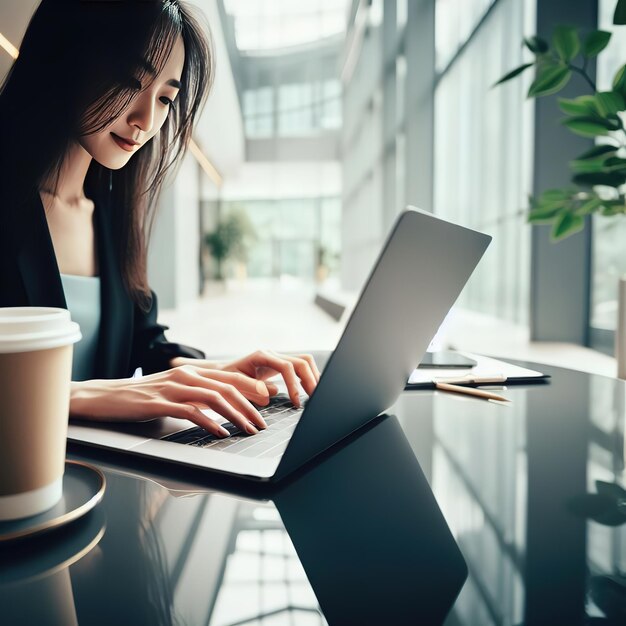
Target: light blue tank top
82, 295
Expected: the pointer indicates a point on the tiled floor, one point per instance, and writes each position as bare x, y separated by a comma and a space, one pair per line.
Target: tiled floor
281, 316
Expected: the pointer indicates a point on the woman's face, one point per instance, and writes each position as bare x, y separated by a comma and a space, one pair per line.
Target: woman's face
142, 120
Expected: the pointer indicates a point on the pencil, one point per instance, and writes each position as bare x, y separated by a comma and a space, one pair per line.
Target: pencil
470, 391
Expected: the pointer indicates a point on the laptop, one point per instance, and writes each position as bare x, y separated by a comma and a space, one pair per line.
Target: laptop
419, 274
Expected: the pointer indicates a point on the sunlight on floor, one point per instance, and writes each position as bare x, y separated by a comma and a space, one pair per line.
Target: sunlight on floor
239, 318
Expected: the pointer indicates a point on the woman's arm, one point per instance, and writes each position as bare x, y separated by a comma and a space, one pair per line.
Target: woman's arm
179, 392
195, 384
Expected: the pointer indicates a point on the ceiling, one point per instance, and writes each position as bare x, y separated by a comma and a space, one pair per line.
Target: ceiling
264, 25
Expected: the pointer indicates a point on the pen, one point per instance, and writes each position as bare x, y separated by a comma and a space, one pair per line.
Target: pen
470, 391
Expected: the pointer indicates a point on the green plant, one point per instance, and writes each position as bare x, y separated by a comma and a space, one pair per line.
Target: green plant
231, 239
599, 174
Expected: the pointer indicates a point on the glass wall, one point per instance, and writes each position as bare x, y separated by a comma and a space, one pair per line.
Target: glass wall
294, 237
483, 149
454, 22
286, 193
482, 139
609, 234
292, 109
363, 153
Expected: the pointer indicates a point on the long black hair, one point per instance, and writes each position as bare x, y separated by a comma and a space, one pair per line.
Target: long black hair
73, 77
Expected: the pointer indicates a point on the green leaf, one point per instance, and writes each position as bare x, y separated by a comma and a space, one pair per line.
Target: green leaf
595, 42
613, 207
583, 105
615, 164
588, 165
554, 195
612, 121
545, 214
596, 151
619, 82
589, 206
567, 224
551, 202
608, 179
536, 44
610, 489
609, 103
586, 126
619, 17
513, 73
550, 79
566, 42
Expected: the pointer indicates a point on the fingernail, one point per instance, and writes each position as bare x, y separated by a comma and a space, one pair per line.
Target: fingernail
224, 432
251, 429
263, 422
261, 389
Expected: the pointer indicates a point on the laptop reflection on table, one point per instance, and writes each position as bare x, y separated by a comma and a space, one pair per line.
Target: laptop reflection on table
370, 535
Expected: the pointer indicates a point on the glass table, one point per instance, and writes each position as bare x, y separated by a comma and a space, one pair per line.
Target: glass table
531, 491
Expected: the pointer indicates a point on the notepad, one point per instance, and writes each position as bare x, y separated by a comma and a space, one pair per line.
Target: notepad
485, 367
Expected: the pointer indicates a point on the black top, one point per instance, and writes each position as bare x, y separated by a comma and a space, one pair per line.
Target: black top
29, 276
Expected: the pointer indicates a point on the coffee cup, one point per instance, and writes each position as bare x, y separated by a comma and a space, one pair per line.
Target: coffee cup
36, 348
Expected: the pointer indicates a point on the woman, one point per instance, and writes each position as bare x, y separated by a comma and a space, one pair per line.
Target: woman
97, 108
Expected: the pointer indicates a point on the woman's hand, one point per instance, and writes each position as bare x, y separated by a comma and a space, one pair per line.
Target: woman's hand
179, 392
263, 364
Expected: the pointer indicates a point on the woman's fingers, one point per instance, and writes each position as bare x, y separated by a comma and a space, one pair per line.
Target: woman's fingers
265, 364
312, 364
196, 378
272, 388
284, 367
222, 398
254, 390
303, 366
193, 414
304, 371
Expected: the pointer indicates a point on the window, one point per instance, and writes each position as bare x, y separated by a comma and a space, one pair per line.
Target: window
295, 109
483, 160
609, 234
454, 22
258, 107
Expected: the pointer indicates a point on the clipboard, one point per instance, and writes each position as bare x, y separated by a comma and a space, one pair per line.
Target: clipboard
485, 368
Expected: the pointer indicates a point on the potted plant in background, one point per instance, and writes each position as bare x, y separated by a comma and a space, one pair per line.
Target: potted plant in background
599, 174
231, 239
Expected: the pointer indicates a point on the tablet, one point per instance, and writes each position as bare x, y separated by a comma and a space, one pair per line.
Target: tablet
446, 359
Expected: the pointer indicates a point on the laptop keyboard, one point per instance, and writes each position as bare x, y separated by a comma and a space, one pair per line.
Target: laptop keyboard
281, 417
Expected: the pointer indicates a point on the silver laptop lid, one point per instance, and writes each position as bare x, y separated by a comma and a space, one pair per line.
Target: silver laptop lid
418, 276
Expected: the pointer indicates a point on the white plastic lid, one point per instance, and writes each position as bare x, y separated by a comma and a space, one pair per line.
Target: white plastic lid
29, 328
